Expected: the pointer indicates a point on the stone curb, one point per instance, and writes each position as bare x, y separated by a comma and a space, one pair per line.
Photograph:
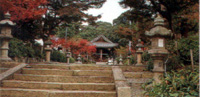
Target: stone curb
123, 90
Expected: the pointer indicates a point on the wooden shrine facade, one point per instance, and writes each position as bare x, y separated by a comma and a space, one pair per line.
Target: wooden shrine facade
105, 48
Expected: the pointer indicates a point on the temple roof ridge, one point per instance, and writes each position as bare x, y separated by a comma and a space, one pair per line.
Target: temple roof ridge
97, 38
106, 44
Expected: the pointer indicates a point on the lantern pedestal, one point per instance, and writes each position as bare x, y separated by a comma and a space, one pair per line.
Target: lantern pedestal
129, 58
68, 56
139, 58
4, 49
48, 50
158, 56
48, 54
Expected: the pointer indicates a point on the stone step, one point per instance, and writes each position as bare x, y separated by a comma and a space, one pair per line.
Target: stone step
138, 74
133, 68
91, 67
8, 64
71, 67
64, 79
107, 73
3, 69
50, 66
59, 86
137, 80
16, 92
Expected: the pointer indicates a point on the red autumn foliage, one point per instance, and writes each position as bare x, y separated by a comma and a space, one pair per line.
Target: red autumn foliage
81, 46
58, 42
23, 9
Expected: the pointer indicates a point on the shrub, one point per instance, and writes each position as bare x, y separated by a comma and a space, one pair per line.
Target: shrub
132, 60
18, 49
147, 60
184, 47
71, 60
182, 83
58, 56
181, 54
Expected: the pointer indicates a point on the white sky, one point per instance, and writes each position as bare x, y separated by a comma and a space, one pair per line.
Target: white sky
109, 11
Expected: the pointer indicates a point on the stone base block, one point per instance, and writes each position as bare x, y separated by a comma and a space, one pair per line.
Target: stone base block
123, 92
5, 59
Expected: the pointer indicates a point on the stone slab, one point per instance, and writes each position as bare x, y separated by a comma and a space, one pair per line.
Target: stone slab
138, 75
15, 92
65, 79
107, 73
133, 68
60, 86
123, 92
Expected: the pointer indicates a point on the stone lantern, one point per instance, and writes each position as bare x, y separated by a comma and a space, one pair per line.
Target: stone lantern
129, 59
79, 59
139, 52
158, 34
48, 50
68, 56
5, 36
120, 60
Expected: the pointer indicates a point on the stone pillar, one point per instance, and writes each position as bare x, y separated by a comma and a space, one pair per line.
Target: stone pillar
139, 53
158, 61
48, 50
120, 60
101, 54
129, 61
5, 37
48, 54
68, 56
158, 51
79, 59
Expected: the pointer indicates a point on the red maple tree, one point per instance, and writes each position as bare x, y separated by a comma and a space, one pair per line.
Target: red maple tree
81, 46
23, 9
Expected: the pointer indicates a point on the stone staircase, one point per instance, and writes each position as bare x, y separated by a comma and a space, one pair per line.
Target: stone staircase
4, 66
59, 80
136, 76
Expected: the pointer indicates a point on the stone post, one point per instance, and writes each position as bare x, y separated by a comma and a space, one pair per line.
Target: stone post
79, 59
101, 55
68, 56
139, 52
120, 60
5, 37
129, 60
158, 34
48, 50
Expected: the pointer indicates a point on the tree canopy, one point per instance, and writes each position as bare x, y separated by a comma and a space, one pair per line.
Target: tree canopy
178, 13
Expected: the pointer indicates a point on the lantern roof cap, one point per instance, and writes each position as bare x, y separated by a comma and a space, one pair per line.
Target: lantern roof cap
7, 15
7, 21
48, 42
139, 44
159, 20
159, 29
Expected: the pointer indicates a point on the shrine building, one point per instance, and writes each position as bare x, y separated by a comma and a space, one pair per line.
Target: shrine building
105, 48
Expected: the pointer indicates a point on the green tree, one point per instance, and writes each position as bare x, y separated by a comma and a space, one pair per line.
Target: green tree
175, 12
